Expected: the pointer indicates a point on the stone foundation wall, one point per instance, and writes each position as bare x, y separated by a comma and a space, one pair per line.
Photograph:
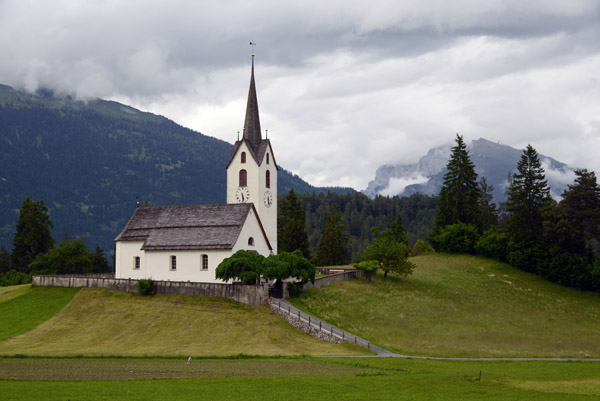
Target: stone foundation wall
248, 294
305, 327
332, 278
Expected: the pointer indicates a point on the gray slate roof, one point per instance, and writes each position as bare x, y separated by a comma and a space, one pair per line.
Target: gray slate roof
186, 227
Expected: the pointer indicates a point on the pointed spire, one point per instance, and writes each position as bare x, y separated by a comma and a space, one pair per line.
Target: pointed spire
252, 132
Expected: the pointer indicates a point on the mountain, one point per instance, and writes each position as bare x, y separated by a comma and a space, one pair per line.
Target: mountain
91, 160
492, 160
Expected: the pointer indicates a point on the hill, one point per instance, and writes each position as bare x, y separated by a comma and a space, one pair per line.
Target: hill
463, 306
103, 322
492, 160
90, 161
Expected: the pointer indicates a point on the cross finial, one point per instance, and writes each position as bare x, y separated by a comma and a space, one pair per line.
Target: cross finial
252, 44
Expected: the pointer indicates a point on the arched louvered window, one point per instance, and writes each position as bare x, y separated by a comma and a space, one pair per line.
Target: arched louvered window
268, 179
243, 178
243, 157
251, 241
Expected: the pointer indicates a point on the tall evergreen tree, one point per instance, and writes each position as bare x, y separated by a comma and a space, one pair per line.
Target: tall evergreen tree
332, 249
581, 204
291, 226
5, 262
487, 208
459, 196
32, 236
527, 193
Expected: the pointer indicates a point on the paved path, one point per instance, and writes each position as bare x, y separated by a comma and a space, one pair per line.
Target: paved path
314, 322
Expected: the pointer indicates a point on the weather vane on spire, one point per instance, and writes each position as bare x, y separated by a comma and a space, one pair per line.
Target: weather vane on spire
252, 44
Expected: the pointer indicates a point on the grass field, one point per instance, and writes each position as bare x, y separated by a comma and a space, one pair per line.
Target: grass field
463, 306
295, 379
104, 322
23, 308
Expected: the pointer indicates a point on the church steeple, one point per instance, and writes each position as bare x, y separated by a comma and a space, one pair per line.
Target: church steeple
252, 132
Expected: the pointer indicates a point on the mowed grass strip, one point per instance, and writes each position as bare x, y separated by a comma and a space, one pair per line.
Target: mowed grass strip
105, 322
464, 306
373, 379
31, 308
13, 291
161, 368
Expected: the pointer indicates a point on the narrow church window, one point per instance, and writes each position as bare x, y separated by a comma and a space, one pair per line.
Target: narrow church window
267, 158
136, 262
243, 178
251, 241
204, 262
173, 262
268, 179
243, 157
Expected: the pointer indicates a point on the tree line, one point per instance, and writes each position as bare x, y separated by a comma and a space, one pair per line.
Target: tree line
559, 240
34, 251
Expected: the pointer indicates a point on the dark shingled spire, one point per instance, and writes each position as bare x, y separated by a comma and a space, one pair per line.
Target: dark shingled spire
252, 132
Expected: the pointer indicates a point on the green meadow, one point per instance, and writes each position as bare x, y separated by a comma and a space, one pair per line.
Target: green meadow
46, 321
92, 344
296, 379
463, 306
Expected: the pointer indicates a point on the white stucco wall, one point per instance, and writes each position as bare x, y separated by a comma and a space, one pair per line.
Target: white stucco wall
268, 215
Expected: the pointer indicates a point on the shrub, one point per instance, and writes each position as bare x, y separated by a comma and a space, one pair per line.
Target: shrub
294, 289
146, 287
13, 277
457, 238
492, 244
422, 248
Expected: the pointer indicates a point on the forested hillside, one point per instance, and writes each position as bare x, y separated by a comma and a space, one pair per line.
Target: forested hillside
360, 215
91, 161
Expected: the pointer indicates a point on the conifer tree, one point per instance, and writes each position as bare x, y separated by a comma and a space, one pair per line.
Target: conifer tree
581, 205
488, 215
291, 226
459, 196
332, 249
527, 193
32, 236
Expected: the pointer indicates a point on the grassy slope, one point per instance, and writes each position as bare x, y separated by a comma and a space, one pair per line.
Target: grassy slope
464, 306
30, 308
319, 379
13, 291
102, 322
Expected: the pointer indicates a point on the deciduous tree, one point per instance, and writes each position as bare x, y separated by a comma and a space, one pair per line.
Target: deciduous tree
243, 265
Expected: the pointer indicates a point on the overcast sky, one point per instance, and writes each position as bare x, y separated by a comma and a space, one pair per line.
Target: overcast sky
343, 86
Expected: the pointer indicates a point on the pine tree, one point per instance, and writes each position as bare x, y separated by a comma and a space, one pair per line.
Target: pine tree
459, 196
332, 249
487, 208
527, 193
581, 205
32, 236
291, 226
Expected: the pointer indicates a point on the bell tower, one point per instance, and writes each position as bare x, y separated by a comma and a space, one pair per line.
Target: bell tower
252, 170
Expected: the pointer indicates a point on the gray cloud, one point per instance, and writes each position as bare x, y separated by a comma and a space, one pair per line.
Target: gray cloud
343, 87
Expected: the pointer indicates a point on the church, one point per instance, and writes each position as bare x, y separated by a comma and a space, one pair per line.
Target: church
187, 243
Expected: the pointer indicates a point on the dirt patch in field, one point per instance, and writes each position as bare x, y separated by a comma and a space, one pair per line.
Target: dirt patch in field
139, 368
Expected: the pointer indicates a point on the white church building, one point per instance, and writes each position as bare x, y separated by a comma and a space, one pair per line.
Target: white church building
187, 243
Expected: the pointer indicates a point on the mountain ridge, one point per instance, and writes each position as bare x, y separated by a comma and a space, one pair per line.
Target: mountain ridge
91, 160
493, 160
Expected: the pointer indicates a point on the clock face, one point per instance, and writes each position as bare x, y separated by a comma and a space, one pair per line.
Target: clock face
268, 198
242, 195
